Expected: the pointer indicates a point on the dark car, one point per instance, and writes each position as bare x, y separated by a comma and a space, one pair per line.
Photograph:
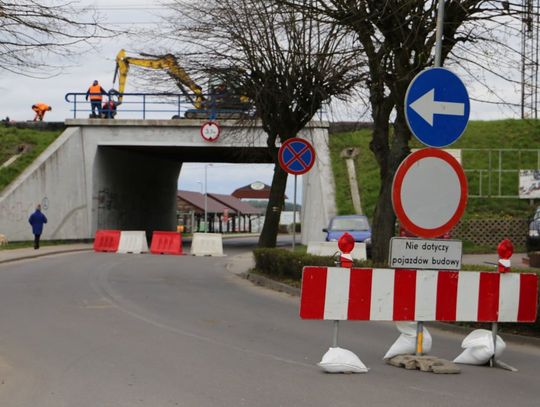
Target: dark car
533, 237
356, 225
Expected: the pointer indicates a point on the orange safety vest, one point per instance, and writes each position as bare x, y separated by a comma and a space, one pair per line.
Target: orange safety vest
42, 107
97, 90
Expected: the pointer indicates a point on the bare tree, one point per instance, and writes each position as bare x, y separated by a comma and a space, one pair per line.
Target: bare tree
288, 64
34, 33
398, 39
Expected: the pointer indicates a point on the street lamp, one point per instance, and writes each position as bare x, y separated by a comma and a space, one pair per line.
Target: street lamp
206, 197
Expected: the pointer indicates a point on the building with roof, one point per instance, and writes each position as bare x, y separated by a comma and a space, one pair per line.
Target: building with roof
241, 216
224, 213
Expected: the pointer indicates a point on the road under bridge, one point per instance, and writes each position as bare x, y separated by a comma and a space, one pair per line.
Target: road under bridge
123, 174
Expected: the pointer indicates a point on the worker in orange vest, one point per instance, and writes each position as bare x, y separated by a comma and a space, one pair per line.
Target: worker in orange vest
95, 92
40, 109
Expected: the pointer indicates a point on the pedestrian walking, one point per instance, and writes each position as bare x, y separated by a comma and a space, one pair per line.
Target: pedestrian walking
37, 219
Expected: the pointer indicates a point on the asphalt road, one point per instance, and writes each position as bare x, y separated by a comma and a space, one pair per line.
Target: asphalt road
110, 330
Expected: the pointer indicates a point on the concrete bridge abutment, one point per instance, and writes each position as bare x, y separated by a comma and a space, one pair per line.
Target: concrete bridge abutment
123, 174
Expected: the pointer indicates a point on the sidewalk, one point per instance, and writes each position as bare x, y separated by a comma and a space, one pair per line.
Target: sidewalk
490, 260
31, 253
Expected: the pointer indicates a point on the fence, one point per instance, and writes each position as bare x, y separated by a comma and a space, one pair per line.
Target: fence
489, 232
163, 106
496, 171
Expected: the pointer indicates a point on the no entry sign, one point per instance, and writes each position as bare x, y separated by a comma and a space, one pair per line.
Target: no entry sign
429, 192
296, 156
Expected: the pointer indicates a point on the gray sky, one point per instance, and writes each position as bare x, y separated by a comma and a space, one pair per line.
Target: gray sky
19, 93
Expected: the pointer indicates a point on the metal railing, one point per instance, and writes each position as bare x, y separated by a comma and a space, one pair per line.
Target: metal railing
497, 174
139, 105
165, 106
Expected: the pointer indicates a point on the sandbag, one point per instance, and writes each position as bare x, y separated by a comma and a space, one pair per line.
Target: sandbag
406, 343
339, 360
478, 347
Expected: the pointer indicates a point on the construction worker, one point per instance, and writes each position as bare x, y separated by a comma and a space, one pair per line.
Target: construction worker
95, 92
108, 109
40, 109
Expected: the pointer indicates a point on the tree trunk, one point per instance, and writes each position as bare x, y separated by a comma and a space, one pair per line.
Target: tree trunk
269, 232
384, 220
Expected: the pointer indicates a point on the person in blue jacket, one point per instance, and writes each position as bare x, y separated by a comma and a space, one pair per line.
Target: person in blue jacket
37, 219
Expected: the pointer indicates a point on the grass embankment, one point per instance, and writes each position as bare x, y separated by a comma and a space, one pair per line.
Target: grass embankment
34, 141
513, 135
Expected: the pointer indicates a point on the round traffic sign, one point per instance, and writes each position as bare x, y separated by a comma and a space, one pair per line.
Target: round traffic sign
437, 107
296, 156
429, 192
210, 131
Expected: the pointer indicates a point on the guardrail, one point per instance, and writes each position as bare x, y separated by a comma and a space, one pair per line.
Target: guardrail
166, 106
157, 105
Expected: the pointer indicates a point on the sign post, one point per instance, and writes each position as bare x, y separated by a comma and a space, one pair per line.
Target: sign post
296, 156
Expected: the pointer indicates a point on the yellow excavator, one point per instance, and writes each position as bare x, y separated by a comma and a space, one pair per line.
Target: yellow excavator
217, 103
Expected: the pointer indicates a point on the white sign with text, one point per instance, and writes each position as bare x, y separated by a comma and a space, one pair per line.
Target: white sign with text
431, 254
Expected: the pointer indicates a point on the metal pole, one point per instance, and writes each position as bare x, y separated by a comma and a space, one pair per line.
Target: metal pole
205, 198
294, 215
336, 322
336, 334
419, 338
439, 34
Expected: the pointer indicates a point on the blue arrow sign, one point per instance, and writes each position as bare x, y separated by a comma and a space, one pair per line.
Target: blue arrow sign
437, 107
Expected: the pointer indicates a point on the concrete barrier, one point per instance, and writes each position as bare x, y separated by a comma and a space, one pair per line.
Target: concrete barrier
207, 244
331, 248
133, 242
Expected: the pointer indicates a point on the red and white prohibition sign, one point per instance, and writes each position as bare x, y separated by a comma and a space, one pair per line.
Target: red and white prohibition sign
429, 193
210, 131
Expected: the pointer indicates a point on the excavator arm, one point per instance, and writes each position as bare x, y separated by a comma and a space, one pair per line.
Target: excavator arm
166, 62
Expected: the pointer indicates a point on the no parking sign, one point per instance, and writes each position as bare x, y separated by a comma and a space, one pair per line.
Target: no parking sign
296, 156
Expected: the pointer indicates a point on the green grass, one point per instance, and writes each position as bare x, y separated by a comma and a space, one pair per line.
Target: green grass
10, 139
42, 243
503, 134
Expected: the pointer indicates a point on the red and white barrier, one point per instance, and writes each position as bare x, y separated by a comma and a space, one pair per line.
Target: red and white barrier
333, 293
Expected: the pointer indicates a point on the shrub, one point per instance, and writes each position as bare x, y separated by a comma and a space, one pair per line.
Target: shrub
283, 264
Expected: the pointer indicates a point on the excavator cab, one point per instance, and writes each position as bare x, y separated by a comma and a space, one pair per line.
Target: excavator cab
219, 102
222, 102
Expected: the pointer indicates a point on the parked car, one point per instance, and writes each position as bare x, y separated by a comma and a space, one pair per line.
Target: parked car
356, 225
533, 237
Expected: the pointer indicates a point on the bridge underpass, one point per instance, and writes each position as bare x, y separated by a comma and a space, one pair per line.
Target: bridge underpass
123, 174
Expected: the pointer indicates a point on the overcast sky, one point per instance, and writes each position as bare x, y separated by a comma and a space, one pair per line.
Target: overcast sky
20, 92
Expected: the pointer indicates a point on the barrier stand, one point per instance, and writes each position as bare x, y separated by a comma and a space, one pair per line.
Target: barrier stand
419, 338
336, 359
344, 259
505, 249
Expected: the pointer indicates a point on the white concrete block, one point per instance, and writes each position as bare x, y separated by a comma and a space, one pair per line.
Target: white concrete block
331, 248
133, 241
207, 244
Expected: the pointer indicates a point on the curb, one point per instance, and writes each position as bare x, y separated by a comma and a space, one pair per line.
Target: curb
37, 255
272, 284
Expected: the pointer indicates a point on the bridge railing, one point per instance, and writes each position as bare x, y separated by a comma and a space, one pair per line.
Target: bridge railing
163, 106
134, 105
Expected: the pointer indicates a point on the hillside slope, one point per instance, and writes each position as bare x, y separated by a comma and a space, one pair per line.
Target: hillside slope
513, 144
29, 142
